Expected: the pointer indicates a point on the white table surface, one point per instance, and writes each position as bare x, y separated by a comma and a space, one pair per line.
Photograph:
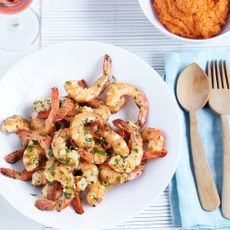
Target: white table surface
119, 22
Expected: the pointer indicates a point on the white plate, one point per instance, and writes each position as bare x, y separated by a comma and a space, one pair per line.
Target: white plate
32, 79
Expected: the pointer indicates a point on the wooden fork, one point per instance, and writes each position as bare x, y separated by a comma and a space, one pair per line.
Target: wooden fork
219, 102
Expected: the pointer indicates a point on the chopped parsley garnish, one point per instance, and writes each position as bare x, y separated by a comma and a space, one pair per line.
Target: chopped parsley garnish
50, 153
85, 130
30, 148
114, 78
68, 83
89, 139
42, 134
117, 161
67, 160
119, 179
68, 150
99, 151
67, 195
14, 159
101, 139
33, 194
51, 169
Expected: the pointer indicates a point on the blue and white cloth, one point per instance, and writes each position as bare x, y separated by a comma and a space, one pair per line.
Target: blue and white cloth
186, 208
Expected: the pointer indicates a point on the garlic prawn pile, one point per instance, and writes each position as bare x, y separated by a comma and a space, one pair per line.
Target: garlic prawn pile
68, 146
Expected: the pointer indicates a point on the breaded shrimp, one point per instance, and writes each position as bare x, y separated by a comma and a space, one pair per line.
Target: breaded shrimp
38, 178
81, 94
155, 139
84, 139
117, 91
128, 164
60, 150
96, 194
32, 155
110, 177
13, 124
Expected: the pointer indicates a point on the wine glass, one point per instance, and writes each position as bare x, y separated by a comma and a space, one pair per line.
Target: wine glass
19, 25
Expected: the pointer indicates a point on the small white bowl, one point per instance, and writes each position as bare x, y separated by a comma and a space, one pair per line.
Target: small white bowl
149, 12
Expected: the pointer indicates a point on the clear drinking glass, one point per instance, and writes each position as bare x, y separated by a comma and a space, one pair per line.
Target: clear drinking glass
19, 25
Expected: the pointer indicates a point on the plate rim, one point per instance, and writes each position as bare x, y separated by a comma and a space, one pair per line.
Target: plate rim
156, 74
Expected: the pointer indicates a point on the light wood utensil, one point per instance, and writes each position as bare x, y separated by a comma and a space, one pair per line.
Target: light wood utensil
193, 94
219, 102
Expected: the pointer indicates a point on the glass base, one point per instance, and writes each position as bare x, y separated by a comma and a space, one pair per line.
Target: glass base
18, 31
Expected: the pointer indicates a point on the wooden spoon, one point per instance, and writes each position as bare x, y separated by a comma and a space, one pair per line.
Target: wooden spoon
193, 93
